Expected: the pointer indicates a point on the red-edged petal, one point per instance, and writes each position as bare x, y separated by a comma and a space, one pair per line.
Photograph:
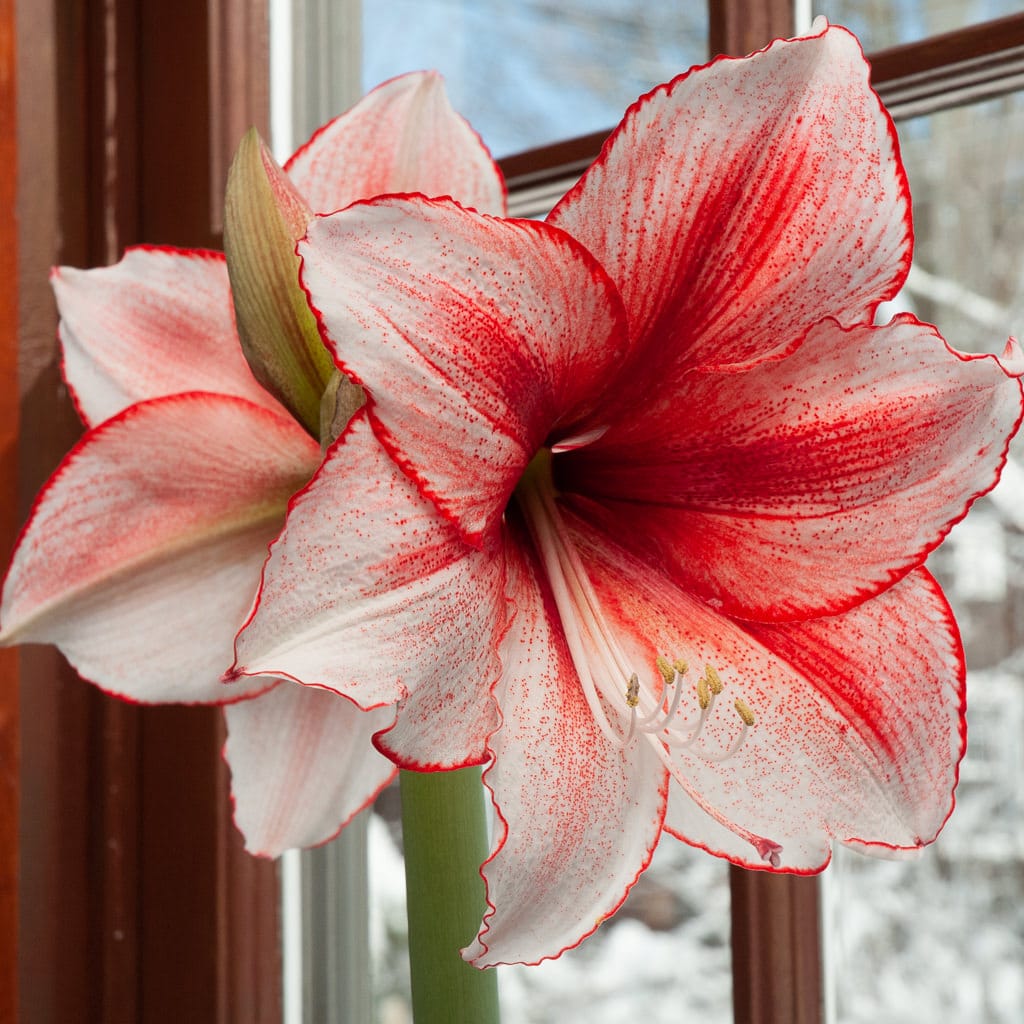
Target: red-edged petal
476, 338
143, 552
160, 322
858, 727
578, 818
893, 670
370, 593
401, 137
302, 765
745, 200
804, 484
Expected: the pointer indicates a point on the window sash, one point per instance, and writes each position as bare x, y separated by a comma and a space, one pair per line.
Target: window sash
136, 900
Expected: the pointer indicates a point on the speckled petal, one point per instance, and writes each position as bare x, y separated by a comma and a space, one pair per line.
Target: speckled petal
803, 484
578, 818
857, 718
302, 764
143, 552
741, 202
401, 137
476, 339
370, 593
159, 322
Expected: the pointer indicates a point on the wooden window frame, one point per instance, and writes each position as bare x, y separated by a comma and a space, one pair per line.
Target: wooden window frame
124, 890
135, 899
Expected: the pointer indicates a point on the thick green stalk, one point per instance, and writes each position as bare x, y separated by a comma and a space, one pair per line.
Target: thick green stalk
445, 838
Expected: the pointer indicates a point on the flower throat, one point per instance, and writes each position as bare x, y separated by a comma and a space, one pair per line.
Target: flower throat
609, 680
627, 707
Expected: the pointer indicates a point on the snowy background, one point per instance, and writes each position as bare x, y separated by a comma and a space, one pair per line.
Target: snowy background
663, 958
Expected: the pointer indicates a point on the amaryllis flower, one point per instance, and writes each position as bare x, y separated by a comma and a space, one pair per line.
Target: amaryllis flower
637, 507
143, 552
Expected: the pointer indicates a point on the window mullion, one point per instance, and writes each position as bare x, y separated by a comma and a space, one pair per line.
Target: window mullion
9, 702
739, 27
776, 952
776, 949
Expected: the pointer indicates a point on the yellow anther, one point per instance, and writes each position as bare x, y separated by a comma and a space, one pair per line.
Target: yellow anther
633, 691
713, 681
680, 666
703, 693
668, 673
743, 709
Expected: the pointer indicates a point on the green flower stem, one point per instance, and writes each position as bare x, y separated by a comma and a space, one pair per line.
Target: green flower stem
445, 837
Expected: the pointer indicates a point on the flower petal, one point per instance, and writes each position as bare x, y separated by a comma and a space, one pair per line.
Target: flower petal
804, 484
736, 205
302, 765
143, 552
401, 137
893, 669
858, 718
158, 323
578, 818
370, 593
476, 339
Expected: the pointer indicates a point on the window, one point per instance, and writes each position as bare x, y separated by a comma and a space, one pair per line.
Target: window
899, 946
133, 889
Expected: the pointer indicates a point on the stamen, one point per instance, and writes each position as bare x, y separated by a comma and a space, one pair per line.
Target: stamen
706, 701
570, 567
656, 721
632, 700
743, 709
677, 698
709, 686
600, 662
633, 691
747, 717
714, 681
548, 548
668, 673
704, 693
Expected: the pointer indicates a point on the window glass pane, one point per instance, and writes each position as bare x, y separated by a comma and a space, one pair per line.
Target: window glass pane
882, 23
597, 57
663, 958
942, 938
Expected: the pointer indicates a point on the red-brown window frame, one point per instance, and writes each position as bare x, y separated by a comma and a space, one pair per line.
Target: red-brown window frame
124, 892
136, 902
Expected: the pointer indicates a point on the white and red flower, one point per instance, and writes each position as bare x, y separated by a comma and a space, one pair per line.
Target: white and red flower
143, 552
637, 507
